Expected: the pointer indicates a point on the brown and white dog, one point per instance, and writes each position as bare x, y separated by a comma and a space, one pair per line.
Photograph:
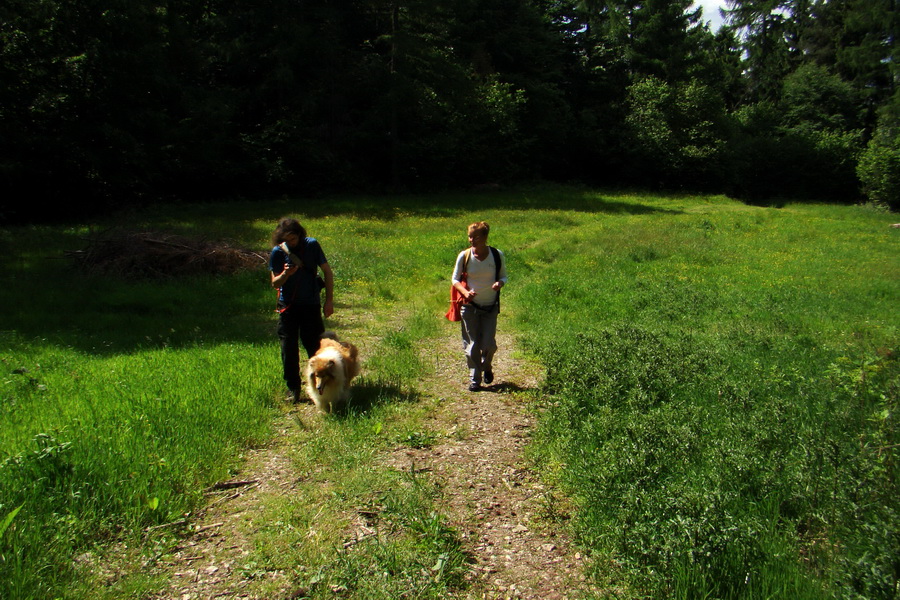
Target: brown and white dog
329, 372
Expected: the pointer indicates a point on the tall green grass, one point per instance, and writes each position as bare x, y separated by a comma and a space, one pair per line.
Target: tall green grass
720, 400
121, 401
94, 446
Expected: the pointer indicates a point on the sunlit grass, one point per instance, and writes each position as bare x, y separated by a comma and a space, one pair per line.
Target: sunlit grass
721, 386
706, 423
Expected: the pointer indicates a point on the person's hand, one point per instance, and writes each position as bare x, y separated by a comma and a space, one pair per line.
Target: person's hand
497, 285
470, 294
328, 309
280, 279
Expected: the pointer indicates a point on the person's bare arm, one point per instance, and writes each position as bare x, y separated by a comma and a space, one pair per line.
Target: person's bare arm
328, 309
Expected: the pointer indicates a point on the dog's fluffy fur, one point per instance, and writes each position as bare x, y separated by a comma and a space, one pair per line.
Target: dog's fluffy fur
329, 372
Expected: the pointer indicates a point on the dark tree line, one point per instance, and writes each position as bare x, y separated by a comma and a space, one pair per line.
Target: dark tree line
105, 102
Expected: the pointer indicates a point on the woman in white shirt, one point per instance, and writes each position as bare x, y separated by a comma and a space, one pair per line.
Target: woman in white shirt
479, 275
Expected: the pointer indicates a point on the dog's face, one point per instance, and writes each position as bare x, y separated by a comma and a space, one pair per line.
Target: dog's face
321, 372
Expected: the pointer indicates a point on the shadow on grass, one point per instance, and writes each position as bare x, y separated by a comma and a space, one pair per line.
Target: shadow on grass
104, 316
453, 204
507, 388
367, 394
239, 221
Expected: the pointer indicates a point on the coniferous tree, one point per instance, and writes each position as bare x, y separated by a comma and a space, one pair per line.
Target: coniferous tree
763, 26
858, 39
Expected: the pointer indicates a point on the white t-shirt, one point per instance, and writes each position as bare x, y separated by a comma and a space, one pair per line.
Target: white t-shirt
481, 275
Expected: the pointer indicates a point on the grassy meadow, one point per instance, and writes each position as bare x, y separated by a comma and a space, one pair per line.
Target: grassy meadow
719, 408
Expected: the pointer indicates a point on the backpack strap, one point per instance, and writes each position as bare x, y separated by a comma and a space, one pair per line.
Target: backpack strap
496, 254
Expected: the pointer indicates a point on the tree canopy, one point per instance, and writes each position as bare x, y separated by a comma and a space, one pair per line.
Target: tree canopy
105, 102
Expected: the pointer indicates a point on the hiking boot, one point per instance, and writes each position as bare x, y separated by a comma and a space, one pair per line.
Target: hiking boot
294, 395
489, 377
474, 387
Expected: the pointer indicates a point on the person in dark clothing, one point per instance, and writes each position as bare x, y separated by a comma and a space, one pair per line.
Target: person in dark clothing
294, 262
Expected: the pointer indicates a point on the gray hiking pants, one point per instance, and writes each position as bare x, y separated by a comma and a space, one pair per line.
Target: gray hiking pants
479, 338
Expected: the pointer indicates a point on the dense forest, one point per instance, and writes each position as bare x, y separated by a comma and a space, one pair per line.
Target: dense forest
115, 102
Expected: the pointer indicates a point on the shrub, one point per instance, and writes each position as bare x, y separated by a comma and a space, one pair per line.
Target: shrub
879, 169
677, 131
777, 155
712, 477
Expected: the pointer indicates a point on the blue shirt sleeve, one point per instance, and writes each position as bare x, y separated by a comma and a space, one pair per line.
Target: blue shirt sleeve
314, 251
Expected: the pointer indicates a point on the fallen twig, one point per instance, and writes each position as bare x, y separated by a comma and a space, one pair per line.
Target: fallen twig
206, 527
232, 496
230, 485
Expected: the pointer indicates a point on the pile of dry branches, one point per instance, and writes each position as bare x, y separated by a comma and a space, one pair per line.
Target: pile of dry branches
149, 254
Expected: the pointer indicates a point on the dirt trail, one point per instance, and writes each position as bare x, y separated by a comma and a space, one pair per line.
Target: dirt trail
489, 494
494, 500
